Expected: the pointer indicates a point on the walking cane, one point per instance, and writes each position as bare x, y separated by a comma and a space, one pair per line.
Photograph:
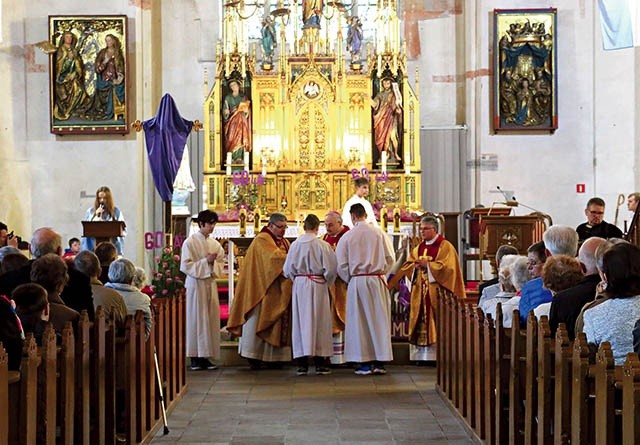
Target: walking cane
161, 395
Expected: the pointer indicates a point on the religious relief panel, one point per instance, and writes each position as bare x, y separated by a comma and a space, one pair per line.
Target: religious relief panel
525, 81
312, 192
88, 74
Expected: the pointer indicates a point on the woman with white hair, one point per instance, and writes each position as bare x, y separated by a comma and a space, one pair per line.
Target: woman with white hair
507, 290
519, 277
121, 275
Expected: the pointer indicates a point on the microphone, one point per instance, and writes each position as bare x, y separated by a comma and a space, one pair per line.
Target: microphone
504, 194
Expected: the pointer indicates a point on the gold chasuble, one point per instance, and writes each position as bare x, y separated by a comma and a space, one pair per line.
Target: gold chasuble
261, 281
446, 271
338, 290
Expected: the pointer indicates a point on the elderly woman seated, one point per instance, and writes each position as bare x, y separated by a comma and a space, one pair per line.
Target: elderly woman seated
560, 272
613, 320
121, 275
518, 276
506, 289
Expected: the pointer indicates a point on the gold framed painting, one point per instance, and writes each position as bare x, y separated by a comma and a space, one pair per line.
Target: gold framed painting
525, 79
88, 74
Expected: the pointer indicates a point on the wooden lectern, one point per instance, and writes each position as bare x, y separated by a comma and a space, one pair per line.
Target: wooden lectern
102, 230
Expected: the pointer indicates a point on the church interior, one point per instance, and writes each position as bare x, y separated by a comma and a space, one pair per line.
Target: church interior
499, 109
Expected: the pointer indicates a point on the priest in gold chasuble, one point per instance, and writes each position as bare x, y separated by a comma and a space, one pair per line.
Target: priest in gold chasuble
432, 264
261, 310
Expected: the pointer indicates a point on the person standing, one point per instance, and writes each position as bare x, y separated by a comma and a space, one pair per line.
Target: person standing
596, 225
311, 265
364, 259
632, 201
338, 290
361, 185
202, 261
104, 209
432, 265
260, 310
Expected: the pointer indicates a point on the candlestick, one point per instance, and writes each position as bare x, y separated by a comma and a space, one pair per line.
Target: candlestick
246, 160
383, 218
243, 221
396, 219
228, 163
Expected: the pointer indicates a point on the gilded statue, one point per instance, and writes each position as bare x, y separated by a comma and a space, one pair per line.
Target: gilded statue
387, 118
311, 13
268, 39
236, 115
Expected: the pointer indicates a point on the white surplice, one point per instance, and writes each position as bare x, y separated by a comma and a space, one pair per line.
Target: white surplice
311, 265
365, 256
346, 210
203, 306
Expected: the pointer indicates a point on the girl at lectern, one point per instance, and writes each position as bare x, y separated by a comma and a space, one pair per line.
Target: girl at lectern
104, 210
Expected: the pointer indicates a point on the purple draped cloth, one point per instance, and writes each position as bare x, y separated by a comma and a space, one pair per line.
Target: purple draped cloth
165, 136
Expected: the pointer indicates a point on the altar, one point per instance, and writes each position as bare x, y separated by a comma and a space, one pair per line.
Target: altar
293, 116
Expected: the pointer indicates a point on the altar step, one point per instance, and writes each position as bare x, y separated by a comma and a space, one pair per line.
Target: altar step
229, 354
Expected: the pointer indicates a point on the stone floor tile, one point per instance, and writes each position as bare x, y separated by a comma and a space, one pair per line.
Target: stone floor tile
236, 406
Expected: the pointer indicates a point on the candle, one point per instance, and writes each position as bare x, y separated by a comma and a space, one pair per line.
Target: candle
264, 165
407, 164
384, 161
228, 163
246, 160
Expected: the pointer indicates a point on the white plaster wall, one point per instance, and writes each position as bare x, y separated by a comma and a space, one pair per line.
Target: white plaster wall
45, 174
543, 170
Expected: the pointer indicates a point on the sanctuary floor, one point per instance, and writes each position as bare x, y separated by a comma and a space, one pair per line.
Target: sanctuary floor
237, 406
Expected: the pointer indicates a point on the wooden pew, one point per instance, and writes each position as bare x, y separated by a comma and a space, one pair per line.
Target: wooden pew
546, 382
531, 379
98, 378
28, 391
477, 345
631, 400
582, 392
502, 365
562, 386
489, 387
66, 388
47, 385
83, 370
70, 391
517, 374
608, 383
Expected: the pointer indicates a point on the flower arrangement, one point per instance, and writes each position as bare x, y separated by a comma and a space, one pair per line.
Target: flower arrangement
167, 279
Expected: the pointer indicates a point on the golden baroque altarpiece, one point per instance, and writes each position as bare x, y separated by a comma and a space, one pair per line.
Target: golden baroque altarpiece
289, 127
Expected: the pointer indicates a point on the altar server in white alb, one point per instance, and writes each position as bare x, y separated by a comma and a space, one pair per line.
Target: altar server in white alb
202, 261
311, 265
361, 185
364, 259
